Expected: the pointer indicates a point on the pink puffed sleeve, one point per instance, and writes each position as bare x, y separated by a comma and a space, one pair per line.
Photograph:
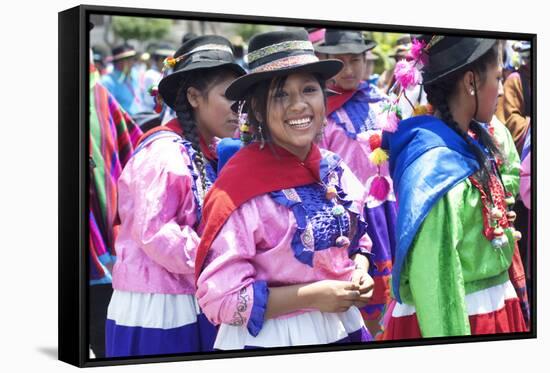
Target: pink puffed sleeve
157, 204
227, 290
525, 181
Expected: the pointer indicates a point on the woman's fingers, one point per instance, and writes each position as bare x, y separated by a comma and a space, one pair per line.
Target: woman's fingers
367, 284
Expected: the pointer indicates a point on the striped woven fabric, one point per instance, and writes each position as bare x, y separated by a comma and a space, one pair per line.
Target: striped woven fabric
113, 135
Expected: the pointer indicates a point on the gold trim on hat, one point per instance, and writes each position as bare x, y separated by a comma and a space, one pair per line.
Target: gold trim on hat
210, 47
280, 47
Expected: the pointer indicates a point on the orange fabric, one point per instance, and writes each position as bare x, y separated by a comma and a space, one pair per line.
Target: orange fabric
381, 292
513, 107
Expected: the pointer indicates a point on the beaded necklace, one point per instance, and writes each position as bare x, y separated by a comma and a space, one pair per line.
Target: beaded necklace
497, 206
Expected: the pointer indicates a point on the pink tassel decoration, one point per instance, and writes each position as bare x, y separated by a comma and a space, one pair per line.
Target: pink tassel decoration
407, 74
379, 188
387, 121
416, 52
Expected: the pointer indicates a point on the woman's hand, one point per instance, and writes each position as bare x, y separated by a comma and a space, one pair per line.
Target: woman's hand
333, 295
365, 284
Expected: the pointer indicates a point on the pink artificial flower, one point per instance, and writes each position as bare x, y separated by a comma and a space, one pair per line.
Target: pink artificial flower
407, 74
416, 49
387, 121
379, 188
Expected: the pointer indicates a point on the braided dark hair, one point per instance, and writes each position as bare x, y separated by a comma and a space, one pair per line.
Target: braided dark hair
203, 81
438, 94
258, 99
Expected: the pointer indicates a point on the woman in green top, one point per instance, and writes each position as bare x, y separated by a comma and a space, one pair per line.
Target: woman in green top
455, 179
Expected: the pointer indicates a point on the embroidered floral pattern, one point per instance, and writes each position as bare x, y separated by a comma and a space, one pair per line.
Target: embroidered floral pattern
307, 238
242, 305
316, 226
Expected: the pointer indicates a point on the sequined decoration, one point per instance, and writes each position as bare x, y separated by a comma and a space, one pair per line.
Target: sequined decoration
307, 238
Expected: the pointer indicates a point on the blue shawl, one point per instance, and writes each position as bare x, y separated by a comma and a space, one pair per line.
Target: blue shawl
427, 159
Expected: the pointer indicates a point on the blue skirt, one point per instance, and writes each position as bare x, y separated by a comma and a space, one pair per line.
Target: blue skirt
141, 324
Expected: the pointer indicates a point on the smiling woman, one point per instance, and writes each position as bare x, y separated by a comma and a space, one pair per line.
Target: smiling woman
283, 256
295, 112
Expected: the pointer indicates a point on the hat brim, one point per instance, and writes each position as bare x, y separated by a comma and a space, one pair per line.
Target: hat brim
123, 56
325, 68
169, 85
345, 48
480, 50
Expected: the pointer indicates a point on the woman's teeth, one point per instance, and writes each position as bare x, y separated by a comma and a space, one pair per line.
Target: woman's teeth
300, 123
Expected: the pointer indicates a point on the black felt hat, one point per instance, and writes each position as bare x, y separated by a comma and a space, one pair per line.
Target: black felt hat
280, 53
202, 52
344, 42
449, 54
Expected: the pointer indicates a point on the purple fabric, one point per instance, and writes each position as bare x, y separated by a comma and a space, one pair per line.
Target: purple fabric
122, 341
381, 229
207, 333
256, 320
357, 115
311, 207
360, 335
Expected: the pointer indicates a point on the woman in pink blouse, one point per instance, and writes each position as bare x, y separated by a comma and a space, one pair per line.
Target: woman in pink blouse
153, 309
283, 258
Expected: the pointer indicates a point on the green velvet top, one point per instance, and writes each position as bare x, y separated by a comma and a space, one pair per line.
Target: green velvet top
450, 257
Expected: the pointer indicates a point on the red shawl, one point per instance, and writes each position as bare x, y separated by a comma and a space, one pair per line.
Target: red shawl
337, 101
249, 173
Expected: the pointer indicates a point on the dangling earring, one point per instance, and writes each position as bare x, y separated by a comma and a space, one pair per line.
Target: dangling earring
262, 140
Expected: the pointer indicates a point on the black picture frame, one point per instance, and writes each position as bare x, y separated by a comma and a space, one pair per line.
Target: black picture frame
73, 180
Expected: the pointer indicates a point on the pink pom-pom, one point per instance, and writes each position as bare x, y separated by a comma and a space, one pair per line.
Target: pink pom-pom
407, 74
387, 121
379, 188
417, 47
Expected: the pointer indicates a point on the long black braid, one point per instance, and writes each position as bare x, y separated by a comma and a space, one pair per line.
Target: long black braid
438, 94
186, 118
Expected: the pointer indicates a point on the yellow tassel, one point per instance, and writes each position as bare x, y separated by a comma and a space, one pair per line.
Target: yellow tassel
422, 110
170, 62
244, 128
378, 156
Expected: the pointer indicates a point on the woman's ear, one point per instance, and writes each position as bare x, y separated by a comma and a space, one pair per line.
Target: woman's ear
468, 83
193, 96
253, 107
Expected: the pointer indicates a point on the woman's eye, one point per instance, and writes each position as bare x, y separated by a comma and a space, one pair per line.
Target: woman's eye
310, 89
280, 94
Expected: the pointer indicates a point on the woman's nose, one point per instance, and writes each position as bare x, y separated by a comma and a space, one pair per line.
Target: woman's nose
347, 70
297, 102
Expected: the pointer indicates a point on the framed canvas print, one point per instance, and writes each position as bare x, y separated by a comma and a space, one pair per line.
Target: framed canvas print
235, 186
